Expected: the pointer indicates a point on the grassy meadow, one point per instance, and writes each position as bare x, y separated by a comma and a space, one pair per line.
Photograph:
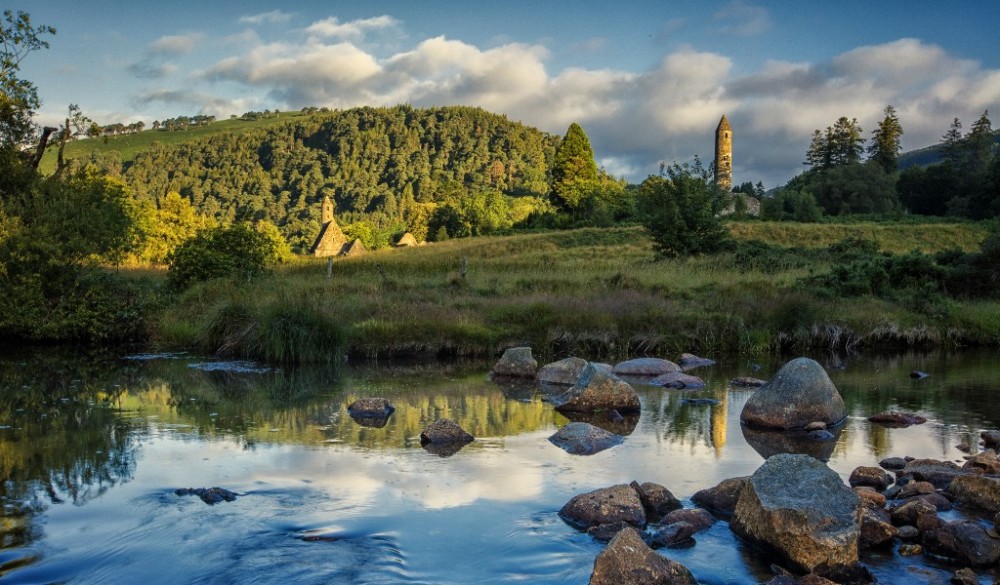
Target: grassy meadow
594, 292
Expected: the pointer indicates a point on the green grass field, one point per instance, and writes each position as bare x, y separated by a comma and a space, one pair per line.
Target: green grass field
131, 145
593, 292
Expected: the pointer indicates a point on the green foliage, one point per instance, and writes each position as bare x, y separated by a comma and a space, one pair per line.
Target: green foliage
681, 213
885, 147
758, 256
18, 97
572, 167
237, 251
850, 188
840, 145
791, 204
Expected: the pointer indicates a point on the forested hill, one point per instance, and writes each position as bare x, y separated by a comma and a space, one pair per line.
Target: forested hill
381, 165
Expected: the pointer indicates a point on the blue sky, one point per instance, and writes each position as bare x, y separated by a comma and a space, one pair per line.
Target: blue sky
647, 80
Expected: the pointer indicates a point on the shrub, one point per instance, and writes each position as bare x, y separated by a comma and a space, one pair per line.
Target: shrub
681, 213
237, 251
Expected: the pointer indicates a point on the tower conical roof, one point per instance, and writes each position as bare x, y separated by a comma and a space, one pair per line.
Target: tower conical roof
723, 124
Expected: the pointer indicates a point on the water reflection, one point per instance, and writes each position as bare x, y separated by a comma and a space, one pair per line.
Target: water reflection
115, 437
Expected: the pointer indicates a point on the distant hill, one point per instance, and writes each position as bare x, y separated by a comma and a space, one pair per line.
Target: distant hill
384, 165
928, 155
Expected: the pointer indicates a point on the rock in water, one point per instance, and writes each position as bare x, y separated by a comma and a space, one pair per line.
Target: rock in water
597, 390
516, 362
800, 393
646, 367
618, 503
894, 419
690, 361
210, 496
629, 561
678, 380
797, 507
580, 438
721, 499
981, 492
963, 542
564, 372
444, 431
371, 412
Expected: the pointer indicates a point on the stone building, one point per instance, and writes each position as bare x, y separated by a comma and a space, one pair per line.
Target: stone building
724, 155
331, 240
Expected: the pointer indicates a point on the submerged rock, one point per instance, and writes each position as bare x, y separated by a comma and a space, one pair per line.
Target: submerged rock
580, 438
797, 507
678, 380
895, 419
516, 362
628, 560
564, 372
800, 393
597, 390
210, 496
747, 382
965, 542
697, 518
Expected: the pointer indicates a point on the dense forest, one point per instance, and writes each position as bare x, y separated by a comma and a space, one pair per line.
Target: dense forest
388, 167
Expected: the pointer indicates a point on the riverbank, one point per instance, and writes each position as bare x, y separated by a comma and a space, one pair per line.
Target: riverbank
598, 292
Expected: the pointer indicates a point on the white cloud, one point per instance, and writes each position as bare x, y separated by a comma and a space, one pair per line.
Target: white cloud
272, 17
742, 18
355, 29
175, 44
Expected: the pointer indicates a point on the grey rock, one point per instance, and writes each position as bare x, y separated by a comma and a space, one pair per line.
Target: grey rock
606, 532
990, 438
698, 518
580, 438
939, 473
987, 461
564, 372
371, 412
909, 512
646, 367
892, 463
964, 542
619, 503
799, 509
875, 530
516, 362
800, 393
628, 560
981, 492
907, 532
597, 390
747, 382
689, 361
656, 500
210, 496
894, 419
965, 576
673, 535
721, 499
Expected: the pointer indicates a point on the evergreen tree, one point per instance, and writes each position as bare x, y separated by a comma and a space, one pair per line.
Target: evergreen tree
841, 144
979, 146
885, 148
573, 164
681, 212
951, 144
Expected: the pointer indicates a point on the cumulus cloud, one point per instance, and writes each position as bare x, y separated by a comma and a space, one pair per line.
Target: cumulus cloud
634, 118
355, 29
272, 17
204, 103
175, 44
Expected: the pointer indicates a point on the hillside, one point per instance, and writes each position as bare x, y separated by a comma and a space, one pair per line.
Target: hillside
383, 165
928, 155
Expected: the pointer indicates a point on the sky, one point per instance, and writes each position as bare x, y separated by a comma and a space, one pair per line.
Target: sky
648, 80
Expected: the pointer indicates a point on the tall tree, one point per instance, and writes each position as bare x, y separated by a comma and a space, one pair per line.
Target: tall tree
573, 164
885, 147
979, 145
841, 144
18, 97
951, 143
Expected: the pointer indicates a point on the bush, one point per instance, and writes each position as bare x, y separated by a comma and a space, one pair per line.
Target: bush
237, 251
681, 213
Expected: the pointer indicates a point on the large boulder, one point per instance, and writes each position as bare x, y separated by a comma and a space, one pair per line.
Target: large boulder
646, 367
564, 372
981, 492
628, 560
799, 394
516, 362
618, 503
598, 390
580, 438
800, 509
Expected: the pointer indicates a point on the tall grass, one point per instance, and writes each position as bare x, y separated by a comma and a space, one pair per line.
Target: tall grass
594, 292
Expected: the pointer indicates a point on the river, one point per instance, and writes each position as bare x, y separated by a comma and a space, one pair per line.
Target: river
93, 447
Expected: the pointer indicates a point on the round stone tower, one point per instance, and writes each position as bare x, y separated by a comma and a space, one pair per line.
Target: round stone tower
724, 155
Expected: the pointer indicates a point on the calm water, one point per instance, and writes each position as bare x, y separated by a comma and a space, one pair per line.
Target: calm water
93, 447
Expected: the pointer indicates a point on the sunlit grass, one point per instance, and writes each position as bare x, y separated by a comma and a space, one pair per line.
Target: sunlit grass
599, 292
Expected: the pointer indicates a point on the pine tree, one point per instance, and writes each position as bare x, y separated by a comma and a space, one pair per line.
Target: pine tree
572, 165
884, 149
951, 143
